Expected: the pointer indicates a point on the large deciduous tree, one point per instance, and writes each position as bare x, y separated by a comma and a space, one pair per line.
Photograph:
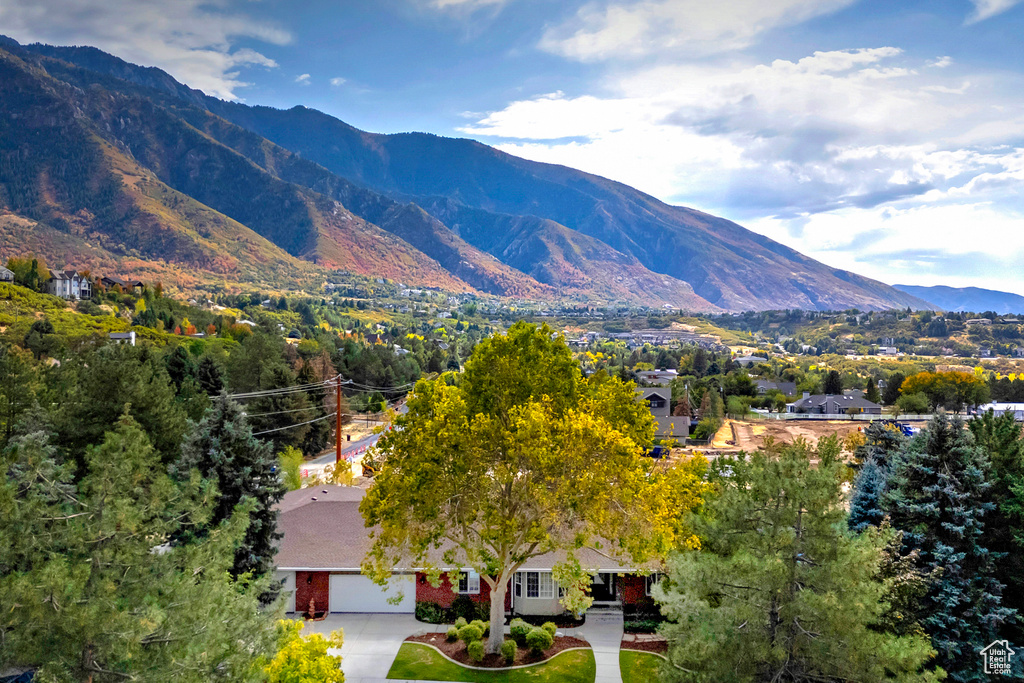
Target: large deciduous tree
780, 591
938, 496
517, 457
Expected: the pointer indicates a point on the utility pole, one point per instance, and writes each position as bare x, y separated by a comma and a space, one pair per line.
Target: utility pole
337, 425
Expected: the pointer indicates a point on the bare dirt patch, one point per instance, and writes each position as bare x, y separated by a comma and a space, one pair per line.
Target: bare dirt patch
457, 650
750, 436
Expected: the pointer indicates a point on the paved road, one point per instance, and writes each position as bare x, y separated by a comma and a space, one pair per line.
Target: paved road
350, 449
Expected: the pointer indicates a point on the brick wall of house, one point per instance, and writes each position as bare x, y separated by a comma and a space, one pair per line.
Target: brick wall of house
632, 591
312, 585
443, 594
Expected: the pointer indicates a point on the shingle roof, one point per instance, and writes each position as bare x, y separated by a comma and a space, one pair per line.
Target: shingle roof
328, 534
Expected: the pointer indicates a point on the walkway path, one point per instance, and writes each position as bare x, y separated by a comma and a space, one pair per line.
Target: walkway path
603, 630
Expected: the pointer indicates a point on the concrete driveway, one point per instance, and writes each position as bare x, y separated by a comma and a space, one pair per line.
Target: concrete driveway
603, 630
371, 641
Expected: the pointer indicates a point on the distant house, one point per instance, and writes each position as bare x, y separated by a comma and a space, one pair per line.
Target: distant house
123, 337
6, 274
888, 351
661, 378
826, 404
747, 361
999, 408
68, 284
764, 386
108, 282
659, 400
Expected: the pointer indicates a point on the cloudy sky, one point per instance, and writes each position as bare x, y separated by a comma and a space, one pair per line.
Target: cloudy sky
883, 137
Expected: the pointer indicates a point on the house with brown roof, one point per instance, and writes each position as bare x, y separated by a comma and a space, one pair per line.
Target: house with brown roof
324, 542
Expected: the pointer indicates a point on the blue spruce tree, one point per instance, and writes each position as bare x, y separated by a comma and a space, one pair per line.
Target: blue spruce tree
875, 456
937, 496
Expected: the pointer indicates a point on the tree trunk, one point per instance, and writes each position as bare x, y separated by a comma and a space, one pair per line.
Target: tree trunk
497, 633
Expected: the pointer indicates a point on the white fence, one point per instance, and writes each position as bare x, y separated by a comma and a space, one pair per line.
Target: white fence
863, 417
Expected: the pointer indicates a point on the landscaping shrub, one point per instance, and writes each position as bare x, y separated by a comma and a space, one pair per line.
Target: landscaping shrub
508, 651
519, 630
453, 633
469, 610
539, 640
431, 613
470, 633
460, 622
482, 625
476, 650
641, 626
550, 627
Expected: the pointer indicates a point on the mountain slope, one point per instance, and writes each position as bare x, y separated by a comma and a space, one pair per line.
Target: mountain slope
74, 157
725, 263
972, 299
313, 185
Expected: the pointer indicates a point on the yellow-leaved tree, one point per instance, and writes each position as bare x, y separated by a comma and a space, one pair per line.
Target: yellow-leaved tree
305, 659
519, 456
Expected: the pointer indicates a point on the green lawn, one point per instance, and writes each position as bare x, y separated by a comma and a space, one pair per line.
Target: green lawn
639, 667
419, 662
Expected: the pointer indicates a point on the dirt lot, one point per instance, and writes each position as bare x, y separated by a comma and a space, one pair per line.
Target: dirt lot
749, 436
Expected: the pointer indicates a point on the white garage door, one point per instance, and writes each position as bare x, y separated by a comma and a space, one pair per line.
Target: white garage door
356, 593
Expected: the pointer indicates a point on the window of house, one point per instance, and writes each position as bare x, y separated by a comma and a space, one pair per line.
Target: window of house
517, 585
469, 583
538, 585
650, 582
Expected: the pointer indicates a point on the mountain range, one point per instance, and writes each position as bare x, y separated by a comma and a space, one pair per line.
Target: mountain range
105, 164
972, 299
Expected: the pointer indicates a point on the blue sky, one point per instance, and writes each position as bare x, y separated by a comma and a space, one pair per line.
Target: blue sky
882, 137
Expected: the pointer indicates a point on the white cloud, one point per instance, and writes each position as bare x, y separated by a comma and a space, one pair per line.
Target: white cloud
837, 143
302, 79
618, 29
338, 81
986, 9
941, 62
194, 40
464, 4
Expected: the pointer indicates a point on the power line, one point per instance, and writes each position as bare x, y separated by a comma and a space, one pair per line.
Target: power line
300, 424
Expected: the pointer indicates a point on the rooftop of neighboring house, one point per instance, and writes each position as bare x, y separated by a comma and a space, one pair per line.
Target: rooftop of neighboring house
323, 530
787, 388
843, 401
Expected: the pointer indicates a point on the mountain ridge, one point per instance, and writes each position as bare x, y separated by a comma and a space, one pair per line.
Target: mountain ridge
964, 299
457, 214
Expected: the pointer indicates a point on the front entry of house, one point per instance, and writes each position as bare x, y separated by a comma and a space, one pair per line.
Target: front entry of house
602, 587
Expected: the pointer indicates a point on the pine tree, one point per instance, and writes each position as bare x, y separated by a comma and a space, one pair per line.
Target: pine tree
180, 366
871, 391
833, 383
865, 508
938, 497
83, 595
1001, 436
780, 592
222, 448
210, 376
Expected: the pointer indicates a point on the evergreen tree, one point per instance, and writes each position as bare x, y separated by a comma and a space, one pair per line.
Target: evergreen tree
892, 388
833, 385
780, 592
222, 448
83, 595
938, 497
95, 388
871, 391
210, 376
865, 508
1001, 436
180, 366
